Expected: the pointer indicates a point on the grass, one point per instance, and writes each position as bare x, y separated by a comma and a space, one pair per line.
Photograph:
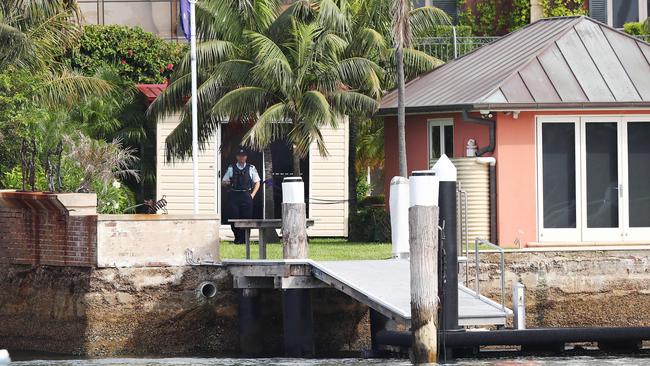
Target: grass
319, 249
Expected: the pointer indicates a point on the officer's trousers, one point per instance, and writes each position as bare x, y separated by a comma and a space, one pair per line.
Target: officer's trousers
241, 207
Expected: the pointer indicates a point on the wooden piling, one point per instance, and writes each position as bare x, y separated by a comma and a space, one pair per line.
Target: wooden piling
423, 242
294, 231
297, 310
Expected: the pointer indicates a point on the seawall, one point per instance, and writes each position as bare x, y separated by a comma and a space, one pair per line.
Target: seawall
152, 311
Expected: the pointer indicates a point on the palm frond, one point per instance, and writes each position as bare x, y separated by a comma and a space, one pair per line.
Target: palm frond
423, 21
271, 125
68, 88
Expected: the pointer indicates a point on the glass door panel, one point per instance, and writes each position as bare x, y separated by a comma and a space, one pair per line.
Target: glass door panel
558, 181
559, 178
601, 176
637, 174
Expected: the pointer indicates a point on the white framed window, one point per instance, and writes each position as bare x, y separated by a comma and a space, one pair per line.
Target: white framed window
441, 138
620, 12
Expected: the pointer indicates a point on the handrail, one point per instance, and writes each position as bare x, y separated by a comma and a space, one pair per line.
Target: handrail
502, 266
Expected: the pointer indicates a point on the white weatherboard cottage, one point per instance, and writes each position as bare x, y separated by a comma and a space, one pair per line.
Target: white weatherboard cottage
326, 179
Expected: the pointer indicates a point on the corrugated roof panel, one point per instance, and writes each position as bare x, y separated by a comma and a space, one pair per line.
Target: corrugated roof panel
516, 91
633, 61
538, 83
607, 62
583, 68
561, 75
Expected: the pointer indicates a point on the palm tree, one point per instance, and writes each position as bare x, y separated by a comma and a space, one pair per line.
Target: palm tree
34, 34
372, 34
287, 74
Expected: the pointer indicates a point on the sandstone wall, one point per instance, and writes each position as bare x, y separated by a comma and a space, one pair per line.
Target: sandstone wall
575, 288
152, 311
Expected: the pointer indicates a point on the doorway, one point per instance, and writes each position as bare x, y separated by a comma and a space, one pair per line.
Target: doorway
593, 178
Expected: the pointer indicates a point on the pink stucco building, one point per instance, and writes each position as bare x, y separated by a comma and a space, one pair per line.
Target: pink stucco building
568, 103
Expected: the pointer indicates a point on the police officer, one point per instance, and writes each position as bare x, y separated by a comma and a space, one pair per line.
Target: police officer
244, 183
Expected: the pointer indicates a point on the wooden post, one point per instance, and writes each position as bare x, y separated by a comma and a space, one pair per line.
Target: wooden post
250, 325
294, 231
423, 242
297, 314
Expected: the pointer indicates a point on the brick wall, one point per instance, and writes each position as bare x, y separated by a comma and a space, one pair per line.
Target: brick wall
35, 228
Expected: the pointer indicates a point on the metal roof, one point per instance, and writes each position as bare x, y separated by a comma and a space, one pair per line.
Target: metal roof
554, 62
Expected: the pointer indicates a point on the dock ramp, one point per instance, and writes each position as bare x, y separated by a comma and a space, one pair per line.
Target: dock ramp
383, 285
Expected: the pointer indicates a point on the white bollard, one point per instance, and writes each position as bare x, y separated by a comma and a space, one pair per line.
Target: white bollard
293, 190
423, 188
4, 357
518, 306
399, 216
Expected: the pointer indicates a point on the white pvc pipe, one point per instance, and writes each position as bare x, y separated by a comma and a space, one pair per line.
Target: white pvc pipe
293, 190
399, 216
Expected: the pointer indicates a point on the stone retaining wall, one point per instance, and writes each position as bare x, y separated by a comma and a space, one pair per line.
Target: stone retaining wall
575, 287
153, 311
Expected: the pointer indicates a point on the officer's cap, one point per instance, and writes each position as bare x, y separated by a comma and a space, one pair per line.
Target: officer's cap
241, 151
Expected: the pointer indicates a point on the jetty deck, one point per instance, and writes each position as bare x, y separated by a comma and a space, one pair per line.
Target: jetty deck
383, 285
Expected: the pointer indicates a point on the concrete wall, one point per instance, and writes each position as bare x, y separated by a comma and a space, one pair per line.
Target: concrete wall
155, 240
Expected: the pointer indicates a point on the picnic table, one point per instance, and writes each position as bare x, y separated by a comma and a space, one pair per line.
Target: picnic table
261, 224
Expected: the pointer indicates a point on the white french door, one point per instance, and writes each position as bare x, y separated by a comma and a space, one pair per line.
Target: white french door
594, 179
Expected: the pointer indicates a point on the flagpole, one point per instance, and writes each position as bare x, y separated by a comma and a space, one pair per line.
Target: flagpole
195, 113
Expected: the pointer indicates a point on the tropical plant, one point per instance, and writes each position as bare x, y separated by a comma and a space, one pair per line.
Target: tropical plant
34, 34
405, 23
132, 53
560, 8
100, 161
284, 73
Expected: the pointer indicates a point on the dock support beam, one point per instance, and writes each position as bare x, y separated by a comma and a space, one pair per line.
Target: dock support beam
377, 324
296, 303
250, 325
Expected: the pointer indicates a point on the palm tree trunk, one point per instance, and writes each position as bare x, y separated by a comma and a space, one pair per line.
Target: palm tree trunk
267, 185
401, 112
296, 165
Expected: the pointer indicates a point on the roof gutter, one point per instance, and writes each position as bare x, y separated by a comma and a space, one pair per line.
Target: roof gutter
387, 112
492, 131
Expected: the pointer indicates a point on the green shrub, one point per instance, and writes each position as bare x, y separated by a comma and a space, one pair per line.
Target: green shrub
371, 222
634, 28
561, 8
132, 53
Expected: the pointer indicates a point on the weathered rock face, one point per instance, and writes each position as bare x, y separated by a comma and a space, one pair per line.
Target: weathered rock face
575, 288
152, 311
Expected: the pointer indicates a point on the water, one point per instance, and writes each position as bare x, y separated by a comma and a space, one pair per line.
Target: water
523, 361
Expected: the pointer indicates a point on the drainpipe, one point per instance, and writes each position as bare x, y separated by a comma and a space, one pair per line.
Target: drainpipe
492, 168
492, 129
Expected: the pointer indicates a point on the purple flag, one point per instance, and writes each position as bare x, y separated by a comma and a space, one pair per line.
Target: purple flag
185, 18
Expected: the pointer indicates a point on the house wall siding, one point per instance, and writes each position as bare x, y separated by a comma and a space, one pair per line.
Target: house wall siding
175, 180
329, 181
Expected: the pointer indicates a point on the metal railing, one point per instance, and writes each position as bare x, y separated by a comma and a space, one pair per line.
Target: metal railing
463, 229
478, 242
449, 48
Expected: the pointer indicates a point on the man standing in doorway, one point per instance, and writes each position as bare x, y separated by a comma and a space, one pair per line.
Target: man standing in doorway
244, 183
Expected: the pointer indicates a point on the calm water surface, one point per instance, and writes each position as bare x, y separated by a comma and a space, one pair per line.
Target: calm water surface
550, 361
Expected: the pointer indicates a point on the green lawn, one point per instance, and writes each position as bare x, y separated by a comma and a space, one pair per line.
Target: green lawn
319, 249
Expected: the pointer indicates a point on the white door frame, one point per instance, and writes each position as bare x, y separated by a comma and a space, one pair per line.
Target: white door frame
601, 234
623, 233
555, 234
